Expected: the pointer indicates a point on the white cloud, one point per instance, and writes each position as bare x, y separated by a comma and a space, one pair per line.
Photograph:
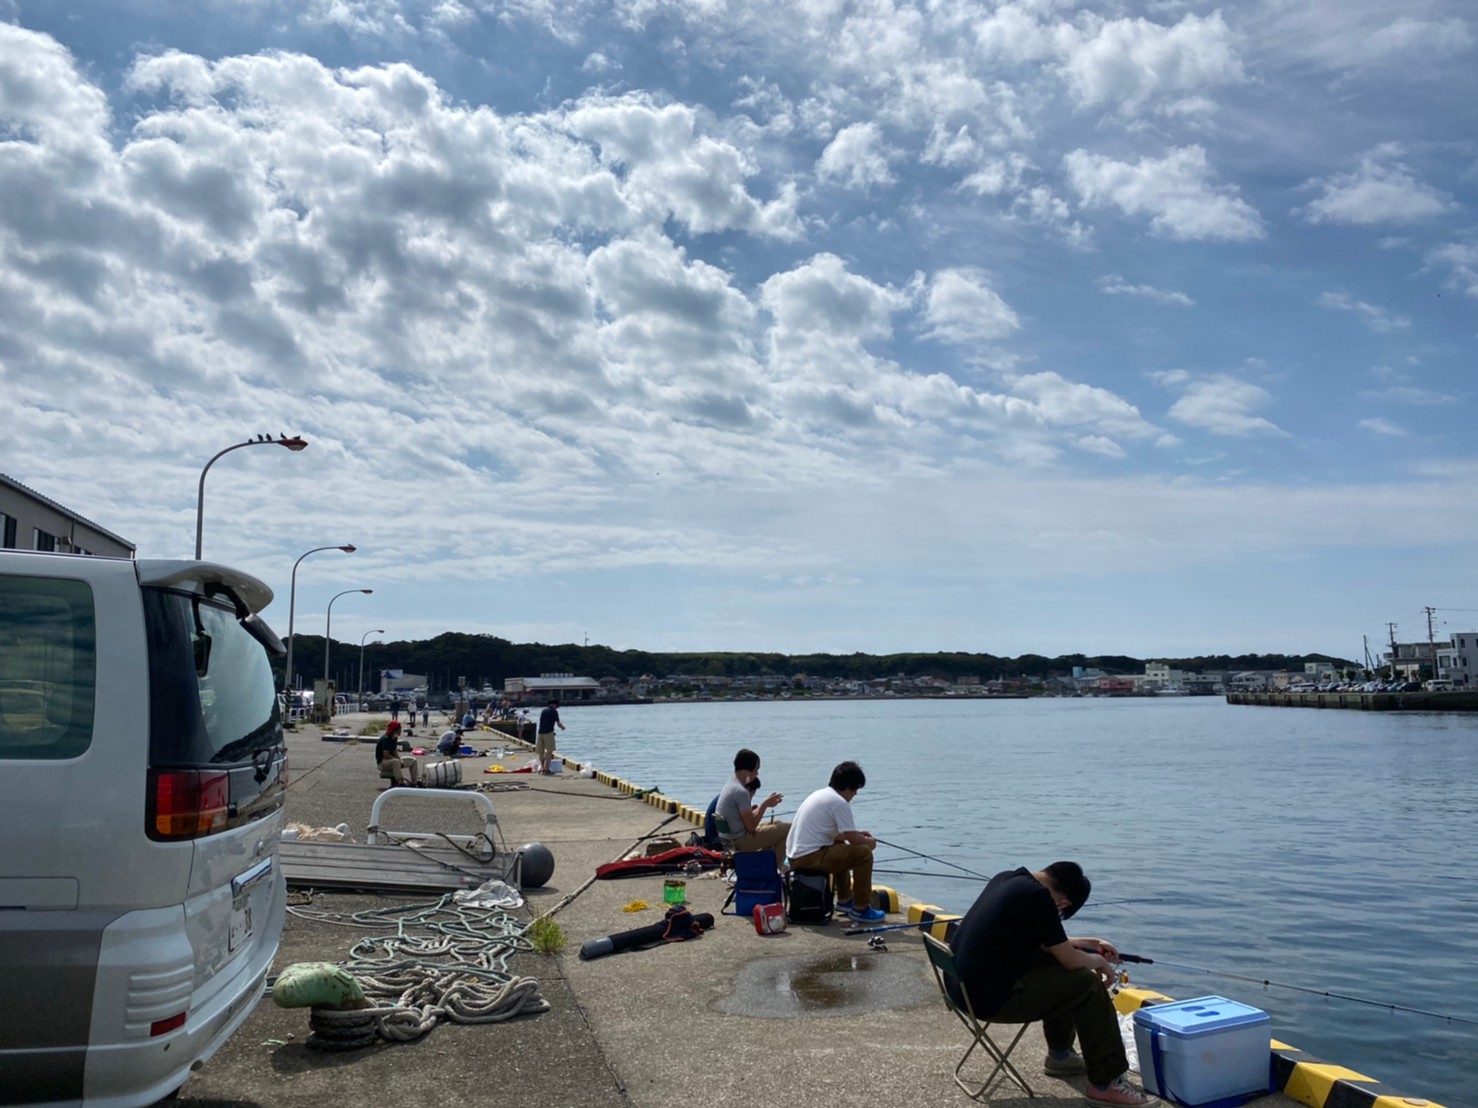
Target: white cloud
1460, 259
1099, 444
1224, 406
855, 158
1067, 403
1382, 190
1376, 318
962, 308
1412, 395
1380, 426
1174, 191
1114, 285
1362, 36
1131, 63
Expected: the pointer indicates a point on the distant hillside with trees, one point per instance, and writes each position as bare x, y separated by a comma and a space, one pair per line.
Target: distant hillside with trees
487, 659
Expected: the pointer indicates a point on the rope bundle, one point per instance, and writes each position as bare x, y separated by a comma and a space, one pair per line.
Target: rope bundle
444, 961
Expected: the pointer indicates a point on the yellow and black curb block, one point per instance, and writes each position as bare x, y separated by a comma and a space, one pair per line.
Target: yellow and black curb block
937, 921
885, 899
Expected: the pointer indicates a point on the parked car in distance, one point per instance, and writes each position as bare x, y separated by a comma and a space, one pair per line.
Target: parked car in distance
141, 900
1439, 684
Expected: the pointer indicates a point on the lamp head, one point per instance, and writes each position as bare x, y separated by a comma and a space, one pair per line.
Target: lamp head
366, 591
296, 443
349, 549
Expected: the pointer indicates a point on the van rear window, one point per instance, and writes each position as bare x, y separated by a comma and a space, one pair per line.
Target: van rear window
211, 695
48, 667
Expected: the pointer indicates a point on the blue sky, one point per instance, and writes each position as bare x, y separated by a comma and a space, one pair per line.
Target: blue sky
1022, 326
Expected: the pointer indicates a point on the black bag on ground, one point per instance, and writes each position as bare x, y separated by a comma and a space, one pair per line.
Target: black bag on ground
810, 899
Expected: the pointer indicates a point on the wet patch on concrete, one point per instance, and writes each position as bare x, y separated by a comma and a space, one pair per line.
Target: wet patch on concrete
838, 984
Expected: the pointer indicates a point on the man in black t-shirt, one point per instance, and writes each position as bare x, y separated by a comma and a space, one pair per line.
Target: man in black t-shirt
544, 737
392, 765
1018, 966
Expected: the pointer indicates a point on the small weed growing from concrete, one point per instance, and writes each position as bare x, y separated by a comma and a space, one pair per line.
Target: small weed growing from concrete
546, 936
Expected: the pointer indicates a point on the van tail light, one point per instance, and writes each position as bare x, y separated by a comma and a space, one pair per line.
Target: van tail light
187, 803
165, 1026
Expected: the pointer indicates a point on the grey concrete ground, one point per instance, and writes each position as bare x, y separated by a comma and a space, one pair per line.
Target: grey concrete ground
806, 1017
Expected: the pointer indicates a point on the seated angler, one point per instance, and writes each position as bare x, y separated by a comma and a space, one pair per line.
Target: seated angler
399, 770
742, 826
1018, 966
825, 837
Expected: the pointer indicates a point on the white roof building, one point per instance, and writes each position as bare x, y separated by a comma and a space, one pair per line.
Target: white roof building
551, 686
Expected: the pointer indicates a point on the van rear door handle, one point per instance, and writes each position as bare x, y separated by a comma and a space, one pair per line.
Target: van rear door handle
243, 881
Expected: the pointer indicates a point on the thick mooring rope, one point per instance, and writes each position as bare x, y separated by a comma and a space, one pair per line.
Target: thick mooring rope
444, 961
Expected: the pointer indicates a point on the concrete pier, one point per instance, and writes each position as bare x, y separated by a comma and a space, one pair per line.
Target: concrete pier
807, 1017
1363, 701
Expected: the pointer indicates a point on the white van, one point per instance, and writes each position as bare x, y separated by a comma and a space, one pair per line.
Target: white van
1438, 684
142, 768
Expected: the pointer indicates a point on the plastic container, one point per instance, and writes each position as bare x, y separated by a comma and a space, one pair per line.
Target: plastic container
556, 765
442, 775
674, 891
1202, 1050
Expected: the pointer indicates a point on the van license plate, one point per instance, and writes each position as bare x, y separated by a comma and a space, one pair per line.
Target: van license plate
240, 924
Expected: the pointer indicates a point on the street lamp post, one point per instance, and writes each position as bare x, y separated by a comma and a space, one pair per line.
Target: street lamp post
362, 637
296, 443
329, 623
292, 604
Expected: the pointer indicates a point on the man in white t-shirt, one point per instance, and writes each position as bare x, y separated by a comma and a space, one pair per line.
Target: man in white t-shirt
824, 836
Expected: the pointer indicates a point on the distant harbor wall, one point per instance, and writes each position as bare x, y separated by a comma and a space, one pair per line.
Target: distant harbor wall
1363, 701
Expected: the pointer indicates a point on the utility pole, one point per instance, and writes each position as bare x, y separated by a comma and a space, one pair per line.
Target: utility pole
1392, 628
1432, 639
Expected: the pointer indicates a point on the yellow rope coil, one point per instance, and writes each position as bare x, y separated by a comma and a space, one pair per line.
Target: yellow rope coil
636, 906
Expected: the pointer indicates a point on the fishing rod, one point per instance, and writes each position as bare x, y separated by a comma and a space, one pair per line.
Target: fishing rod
932, 858
891, 927
1140, 959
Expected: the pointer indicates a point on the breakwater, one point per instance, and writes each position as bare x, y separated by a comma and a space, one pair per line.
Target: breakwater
1363, 701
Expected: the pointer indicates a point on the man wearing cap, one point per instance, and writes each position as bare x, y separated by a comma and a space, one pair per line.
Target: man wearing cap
1017, 965
544, 737
449, 743
392, 765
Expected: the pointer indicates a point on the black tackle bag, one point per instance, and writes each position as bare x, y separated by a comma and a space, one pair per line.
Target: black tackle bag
810, 896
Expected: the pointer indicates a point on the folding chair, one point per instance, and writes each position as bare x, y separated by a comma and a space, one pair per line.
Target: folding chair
942, 961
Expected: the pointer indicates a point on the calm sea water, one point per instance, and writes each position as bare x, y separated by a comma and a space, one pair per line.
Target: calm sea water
1325, 849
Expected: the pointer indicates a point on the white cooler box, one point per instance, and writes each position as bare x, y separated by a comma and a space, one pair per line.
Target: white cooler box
1199, 1051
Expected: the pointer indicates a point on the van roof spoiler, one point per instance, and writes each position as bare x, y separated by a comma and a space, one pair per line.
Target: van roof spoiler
193, 576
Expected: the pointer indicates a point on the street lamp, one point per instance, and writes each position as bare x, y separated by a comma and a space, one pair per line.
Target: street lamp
296, 443
292, 603
362, 637
328, 624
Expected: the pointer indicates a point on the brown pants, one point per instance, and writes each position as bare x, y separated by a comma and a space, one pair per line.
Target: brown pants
398, 769
768, 836
850, 866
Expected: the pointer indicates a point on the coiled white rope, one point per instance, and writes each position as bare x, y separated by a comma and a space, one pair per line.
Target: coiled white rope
444, 961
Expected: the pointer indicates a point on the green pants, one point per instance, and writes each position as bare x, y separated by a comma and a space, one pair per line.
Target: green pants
1069, 1002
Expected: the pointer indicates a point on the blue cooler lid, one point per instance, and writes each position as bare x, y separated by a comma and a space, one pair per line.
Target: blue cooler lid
1198, 1016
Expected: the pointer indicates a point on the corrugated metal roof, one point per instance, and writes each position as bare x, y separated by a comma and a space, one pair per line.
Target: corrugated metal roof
50, 503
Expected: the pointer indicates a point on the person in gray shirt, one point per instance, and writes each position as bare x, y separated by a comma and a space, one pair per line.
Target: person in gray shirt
740, 819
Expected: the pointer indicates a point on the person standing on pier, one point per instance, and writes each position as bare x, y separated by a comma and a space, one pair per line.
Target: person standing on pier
743, 817
824, 836
1018, 966
544, 739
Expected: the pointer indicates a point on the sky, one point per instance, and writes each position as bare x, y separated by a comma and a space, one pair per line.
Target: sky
1020, 326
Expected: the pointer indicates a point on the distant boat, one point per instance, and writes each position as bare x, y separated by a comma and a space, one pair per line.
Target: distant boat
1172, 691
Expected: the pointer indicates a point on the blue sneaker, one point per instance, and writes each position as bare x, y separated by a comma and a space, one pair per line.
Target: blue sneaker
843, 907
866, 915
